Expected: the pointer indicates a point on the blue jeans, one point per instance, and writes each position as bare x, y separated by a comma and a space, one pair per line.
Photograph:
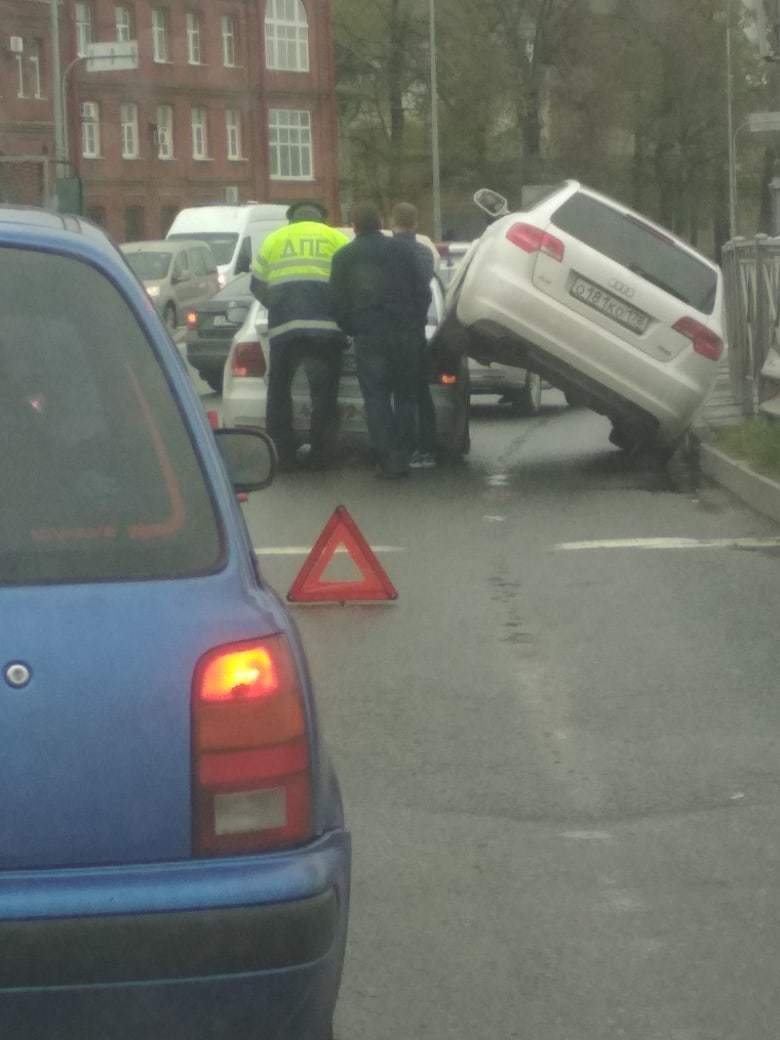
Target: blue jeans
388, 373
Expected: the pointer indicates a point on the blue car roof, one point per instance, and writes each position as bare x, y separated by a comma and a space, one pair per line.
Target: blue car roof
46, 229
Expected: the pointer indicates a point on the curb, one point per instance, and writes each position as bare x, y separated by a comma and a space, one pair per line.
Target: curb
759, 492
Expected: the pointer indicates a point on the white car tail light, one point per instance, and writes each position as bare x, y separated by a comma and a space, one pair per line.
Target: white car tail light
251, 764
705, 341
535, 240
248, 361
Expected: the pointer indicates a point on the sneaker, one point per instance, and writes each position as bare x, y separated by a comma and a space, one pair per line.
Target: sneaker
423, 460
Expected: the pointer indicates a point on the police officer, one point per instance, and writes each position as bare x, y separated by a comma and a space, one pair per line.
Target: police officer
291, 278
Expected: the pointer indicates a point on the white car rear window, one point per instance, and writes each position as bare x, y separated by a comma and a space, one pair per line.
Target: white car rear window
639, 247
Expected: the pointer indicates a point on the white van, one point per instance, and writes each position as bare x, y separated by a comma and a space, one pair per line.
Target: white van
234, 233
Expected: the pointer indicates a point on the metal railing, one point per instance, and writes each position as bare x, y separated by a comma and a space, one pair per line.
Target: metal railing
751, 272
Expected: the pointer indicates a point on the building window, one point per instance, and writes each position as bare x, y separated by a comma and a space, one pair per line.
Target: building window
290, 138
134, 224
160, 37
228, 41
128, 117
90, 130
200, 137
164, 132
28, 70
286, 36
34, 63
124, 24
83, 28
193, 39
233, 129
20, 76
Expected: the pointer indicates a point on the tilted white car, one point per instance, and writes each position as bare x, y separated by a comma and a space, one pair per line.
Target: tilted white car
616, 311
245, 388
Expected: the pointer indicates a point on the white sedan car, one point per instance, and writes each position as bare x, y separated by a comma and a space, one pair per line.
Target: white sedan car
616, 311
245, 387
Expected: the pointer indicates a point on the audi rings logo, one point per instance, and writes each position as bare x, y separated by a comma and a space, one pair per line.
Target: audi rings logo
17, 675
622, 288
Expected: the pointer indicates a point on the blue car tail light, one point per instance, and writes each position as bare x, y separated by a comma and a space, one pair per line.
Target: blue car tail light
251, 763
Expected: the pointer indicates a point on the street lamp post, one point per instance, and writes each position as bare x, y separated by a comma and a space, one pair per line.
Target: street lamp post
437, 225
733, 228
58, 106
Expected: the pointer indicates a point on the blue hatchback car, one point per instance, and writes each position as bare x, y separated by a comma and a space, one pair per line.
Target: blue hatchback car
173, 856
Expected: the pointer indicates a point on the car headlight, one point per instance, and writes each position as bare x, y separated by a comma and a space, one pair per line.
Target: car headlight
153, 290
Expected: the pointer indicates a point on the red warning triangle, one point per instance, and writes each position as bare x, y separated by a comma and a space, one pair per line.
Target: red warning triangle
341, 530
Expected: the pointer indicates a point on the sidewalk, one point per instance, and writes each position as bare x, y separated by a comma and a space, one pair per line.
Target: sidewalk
760, 492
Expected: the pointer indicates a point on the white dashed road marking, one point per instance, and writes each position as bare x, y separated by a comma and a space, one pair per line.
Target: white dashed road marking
671, 544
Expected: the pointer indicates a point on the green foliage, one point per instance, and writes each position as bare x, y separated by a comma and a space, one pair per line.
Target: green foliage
757, 441
627, 95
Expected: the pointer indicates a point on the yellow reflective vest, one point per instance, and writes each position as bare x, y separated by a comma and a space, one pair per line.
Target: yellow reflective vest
294, 263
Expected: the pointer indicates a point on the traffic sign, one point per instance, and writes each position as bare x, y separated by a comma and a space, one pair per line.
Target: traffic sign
112, 57
341, 531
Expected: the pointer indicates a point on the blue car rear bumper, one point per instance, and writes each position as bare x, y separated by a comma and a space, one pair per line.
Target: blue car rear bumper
201, 949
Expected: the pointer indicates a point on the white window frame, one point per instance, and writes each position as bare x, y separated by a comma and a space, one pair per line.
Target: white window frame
34, 58
123, 22
199, 123
194, 51
229, 48
233, 133
20, 76
90, 132
83, 28
165, 148
286, 36
128, 119
291, 145
161, 47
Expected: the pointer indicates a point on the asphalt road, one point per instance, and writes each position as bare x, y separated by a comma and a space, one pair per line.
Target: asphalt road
560, 765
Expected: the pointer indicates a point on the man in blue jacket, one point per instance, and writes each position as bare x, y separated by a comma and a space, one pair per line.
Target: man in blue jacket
379, 291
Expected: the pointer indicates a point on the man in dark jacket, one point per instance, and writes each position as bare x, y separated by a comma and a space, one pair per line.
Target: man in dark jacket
404, 223
379, 292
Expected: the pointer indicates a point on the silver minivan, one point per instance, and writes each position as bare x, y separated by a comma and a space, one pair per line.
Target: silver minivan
177, 275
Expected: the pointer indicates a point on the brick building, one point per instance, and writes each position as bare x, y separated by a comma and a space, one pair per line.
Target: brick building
232, 100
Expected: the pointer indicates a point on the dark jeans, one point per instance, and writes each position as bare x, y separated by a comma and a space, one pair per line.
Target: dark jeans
426, 413
388, 372
321, 357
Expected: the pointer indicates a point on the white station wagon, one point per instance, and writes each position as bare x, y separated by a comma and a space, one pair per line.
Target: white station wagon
616, 311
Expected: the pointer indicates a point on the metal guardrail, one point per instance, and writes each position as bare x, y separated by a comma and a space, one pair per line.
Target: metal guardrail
751, 272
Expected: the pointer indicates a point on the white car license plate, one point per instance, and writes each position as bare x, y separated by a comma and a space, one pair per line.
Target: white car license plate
600, 300
220, 319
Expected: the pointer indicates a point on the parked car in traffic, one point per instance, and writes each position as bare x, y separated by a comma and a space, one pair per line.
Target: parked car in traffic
234, 233
515, 386
211, 327
616, 311
177, 275
245, 387
174, 863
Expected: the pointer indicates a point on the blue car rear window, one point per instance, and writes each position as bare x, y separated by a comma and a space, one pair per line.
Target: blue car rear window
99, 477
